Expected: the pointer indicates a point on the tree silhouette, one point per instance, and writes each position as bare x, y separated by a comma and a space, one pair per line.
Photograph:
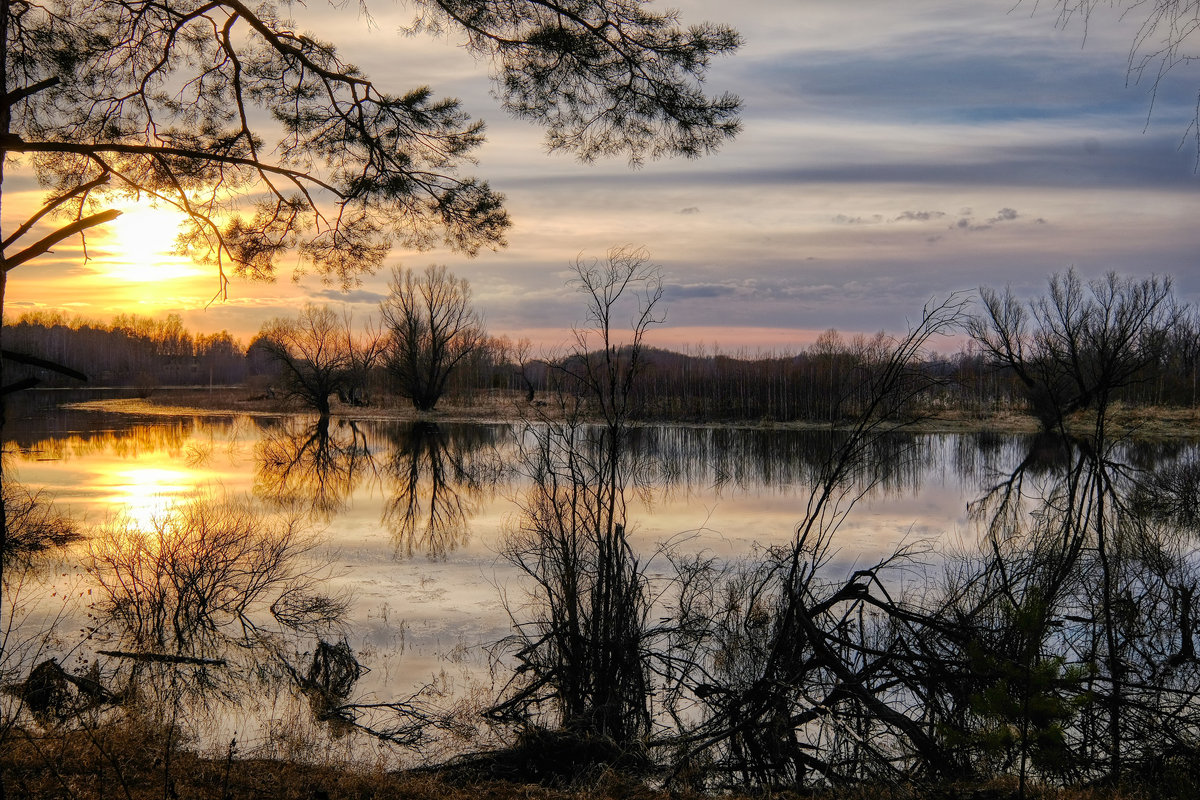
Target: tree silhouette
1077, 346
432, 328
313, 352
167, 102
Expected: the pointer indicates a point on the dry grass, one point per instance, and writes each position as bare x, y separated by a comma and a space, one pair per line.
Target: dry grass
126, 760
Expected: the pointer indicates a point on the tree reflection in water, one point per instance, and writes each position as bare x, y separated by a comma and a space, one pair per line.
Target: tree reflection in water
437, 475
1082, 609
215, 601
311, 468
736, 459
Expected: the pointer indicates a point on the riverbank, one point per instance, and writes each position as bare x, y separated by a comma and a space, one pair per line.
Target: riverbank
1123, 421
128, 761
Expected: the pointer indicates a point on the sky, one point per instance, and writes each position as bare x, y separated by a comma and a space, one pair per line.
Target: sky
891, 153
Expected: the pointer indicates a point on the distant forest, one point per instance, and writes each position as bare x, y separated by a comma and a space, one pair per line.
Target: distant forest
826, 381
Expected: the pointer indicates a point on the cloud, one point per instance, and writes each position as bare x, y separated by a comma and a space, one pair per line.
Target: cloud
842, 219
689, 210
967, 222
698, 291
919, 216
354, 296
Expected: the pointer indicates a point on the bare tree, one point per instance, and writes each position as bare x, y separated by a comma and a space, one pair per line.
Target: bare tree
1076, 347
432, 328
519, 356
314, 353
583, 658
365, 351
602, 366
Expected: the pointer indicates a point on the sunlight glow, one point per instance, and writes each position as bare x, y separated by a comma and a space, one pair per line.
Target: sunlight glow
145, 493
141, 241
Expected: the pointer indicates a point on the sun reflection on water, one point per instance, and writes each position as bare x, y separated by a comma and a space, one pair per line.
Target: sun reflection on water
143, 494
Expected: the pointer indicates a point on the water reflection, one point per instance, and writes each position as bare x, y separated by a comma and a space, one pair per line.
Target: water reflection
414, 488
736, 459
80, 435
437, 474
1090, 576
312, 467
434, 469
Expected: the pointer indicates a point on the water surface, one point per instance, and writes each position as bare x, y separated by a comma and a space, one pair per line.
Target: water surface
409, 517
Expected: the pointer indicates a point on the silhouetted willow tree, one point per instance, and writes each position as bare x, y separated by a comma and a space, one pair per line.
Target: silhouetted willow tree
312, 352
1076, 347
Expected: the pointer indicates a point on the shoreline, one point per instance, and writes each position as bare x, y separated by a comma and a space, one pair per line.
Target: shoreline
1160, 423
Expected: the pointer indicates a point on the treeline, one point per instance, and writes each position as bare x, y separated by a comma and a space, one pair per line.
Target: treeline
828, 381
431, 345
131, 350
824, 382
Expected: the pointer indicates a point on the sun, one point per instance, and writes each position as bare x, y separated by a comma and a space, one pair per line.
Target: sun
140, 244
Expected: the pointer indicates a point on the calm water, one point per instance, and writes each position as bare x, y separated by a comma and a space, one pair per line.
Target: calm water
408, 518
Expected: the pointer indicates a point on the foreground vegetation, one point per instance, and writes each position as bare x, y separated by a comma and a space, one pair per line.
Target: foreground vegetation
126, 761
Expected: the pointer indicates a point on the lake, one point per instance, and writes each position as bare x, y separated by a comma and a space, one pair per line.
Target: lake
405, 523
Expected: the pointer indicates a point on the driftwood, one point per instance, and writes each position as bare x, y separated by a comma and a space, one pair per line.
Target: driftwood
163, 658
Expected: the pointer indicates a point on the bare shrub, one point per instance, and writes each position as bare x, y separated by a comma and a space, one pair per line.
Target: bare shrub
32, 524
198, 576
580, 640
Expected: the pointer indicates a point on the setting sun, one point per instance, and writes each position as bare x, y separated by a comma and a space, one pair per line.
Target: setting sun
140, 244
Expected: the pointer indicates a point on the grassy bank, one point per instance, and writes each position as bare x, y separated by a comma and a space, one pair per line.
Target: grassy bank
1149, 422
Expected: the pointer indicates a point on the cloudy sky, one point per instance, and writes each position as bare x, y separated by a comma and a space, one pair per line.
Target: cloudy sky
891, 153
